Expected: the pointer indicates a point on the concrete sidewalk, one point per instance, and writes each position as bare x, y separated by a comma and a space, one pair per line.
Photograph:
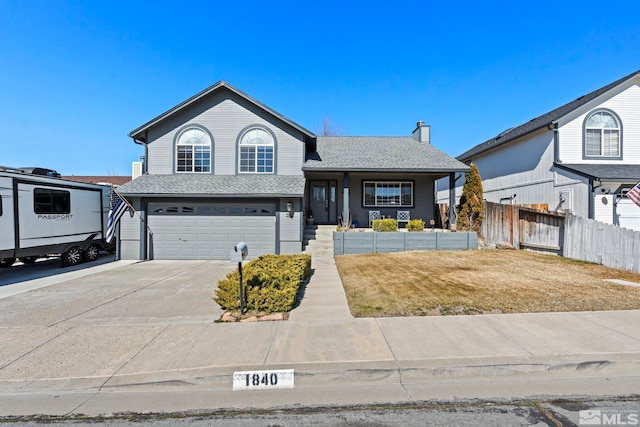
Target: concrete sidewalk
143, 338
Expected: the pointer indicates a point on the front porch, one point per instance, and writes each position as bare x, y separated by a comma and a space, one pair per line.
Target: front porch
360, 197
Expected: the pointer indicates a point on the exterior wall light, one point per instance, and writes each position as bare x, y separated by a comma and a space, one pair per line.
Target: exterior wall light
290, 209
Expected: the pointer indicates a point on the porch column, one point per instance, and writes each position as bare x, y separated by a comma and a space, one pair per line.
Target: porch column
345, 198
452, 201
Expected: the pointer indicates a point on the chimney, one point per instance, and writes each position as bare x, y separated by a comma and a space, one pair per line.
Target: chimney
422, 132
136, 169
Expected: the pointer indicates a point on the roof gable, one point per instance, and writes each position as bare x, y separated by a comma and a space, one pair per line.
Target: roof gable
139, 133
542, 121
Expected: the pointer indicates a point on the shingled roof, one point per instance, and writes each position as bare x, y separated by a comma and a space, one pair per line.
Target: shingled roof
606, 172
379, 154
540, 122
215, 185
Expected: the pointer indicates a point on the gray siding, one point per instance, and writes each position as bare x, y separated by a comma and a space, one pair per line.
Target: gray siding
225, 115
290, 228
130, 235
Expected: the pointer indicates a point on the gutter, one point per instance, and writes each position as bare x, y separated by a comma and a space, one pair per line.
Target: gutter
146, 152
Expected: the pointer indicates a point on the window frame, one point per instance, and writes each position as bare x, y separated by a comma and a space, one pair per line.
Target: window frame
195, 157
376, 204
254, 152
585, 132
55, 197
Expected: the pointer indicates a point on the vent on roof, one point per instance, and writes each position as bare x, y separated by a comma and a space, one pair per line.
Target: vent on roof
504, 132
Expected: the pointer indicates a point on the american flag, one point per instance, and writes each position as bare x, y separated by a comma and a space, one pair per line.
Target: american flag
117, 207
634, 194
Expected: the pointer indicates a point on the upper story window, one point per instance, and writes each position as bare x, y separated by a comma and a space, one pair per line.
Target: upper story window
193, 150
602, 136
256, 148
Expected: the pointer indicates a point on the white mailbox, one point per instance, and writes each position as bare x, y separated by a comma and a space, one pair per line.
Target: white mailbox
239, 252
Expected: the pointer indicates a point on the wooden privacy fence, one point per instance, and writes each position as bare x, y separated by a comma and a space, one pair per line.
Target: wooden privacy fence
523, 227
563, 234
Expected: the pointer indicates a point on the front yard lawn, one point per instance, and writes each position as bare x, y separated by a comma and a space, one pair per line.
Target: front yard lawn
480, 281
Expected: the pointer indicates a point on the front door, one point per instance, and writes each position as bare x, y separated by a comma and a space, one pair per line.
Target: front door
319, 201
323, 201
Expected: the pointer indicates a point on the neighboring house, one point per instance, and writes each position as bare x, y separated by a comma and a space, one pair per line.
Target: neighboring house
581, 157
221, 168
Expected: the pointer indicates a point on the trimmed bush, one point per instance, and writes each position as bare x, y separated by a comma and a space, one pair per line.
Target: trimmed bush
415, 225
385, 225
271, 283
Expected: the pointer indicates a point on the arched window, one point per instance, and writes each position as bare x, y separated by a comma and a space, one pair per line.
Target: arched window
602, 135
193, 150
256, 151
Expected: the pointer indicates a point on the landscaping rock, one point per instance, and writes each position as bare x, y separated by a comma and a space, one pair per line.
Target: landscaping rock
250, 319
504, 245
271, 317
228, 317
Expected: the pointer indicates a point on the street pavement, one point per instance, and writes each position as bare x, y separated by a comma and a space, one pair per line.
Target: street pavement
143, 337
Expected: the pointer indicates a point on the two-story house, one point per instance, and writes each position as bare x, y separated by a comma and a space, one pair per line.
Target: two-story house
221, 168
581, 157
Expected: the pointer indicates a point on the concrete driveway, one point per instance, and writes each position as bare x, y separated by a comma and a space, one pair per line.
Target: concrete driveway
92, 325
156, 292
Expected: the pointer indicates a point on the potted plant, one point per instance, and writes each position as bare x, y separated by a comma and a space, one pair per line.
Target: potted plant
309, 217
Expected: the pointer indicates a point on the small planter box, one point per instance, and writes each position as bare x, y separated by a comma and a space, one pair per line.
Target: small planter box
370, 242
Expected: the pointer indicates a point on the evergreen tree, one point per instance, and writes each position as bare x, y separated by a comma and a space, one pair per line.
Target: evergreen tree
471, 202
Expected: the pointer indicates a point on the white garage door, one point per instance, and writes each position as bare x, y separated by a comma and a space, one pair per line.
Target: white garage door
628, 214
209, 231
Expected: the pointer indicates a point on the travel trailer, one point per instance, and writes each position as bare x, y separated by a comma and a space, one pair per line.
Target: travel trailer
42, 215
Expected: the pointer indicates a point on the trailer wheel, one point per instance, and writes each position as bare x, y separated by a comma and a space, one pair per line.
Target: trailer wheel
6, 262
92, 253
28, 259
72, 257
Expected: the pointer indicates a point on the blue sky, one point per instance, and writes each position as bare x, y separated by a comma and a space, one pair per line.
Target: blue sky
77, 76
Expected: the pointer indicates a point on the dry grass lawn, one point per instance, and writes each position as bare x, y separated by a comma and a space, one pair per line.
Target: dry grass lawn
482, 281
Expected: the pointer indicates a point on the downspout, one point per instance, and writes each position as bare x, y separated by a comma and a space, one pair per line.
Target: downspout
146, 152
553, 127
144, 234
592, 208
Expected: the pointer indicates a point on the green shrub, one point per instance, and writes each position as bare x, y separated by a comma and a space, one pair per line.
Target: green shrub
385, 225
471, 205
271, 283
415, 225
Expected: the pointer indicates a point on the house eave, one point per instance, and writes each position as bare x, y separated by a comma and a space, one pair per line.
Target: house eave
139, 133
471, 154
213, 195
547, 120
388, 170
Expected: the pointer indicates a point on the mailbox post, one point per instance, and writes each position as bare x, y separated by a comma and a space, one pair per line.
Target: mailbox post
239, 253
